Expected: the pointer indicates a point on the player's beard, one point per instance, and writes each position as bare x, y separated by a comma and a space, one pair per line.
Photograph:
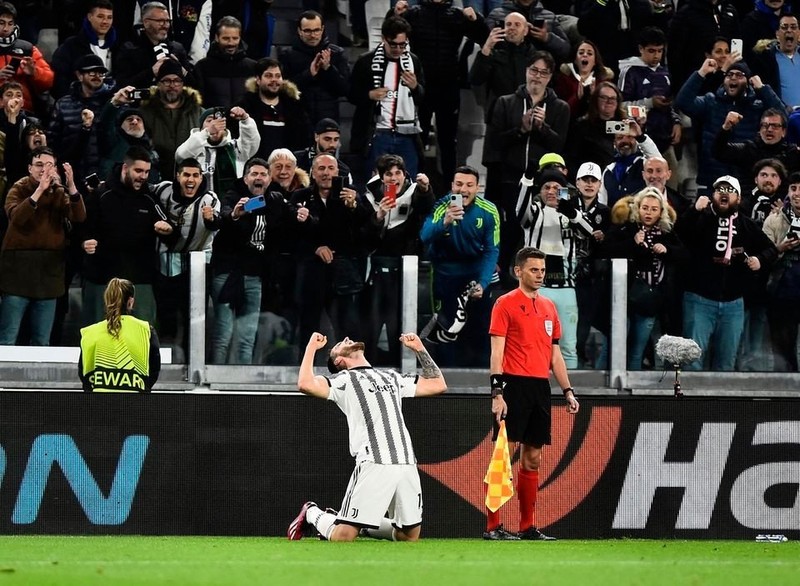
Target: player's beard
352, 349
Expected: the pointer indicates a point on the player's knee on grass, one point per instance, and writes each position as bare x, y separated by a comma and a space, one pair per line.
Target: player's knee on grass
411, 534
342, 532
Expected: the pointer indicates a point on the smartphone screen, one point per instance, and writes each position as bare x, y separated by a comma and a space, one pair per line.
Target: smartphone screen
563, 193
538, 22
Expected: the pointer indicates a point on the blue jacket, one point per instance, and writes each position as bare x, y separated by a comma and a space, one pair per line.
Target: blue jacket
639, 83
468, 246
711, 109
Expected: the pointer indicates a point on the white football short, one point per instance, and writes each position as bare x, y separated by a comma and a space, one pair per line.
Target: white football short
377, 489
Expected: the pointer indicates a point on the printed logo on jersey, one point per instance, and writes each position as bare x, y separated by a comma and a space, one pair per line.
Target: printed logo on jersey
548, 326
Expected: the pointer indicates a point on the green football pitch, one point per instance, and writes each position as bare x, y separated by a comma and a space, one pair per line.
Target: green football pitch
59, 560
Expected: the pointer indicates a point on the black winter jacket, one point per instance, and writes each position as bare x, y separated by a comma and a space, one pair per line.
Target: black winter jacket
221, 77
319, 94
122, 220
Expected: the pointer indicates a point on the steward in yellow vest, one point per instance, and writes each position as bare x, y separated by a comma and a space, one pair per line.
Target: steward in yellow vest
120, 353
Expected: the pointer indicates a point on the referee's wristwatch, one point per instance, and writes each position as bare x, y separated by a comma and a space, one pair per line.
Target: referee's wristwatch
568, 390
496, 383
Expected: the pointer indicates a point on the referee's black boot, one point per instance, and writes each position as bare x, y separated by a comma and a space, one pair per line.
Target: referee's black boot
533, 534
500, 534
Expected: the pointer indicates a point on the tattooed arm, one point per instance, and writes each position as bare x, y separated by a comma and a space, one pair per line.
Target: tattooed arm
431, 381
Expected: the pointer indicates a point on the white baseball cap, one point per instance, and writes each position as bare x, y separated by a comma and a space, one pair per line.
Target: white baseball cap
732, 181
589, 170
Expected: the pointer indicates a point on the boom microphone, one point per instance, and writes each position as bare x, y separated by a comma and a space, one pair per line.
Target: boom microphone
678, 351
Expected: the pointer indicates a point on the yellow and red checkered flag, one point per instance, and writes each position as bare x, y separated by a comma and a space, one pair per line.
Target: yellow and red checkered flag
498, 477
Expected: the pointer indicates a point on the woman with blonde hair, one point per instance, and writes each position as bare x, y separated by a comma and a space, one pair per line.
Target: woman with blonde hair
653, 249
121, 353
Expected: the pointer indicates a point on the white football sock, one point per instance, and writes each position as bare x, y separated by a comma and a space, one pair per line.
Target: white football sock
324, 522
385, 531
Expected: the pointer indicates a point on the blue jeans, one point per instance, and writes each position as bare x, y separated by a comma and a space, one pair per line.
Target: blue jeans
12, 311
387, 142
567, 307
715, 325
245, 317
639, 330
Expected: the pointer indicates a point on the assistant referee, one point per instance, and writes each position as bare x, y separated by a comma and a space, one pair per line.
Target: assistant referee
524, 331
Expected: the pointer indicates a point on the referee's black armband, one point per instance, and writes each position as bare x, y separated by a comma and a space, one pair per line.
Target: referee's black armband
496, 383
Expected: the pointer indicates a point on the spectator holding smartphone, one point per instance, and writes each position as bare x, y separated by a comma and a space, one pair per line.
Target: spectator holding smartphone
461, 236
543, 30
22, 62
120, 127
400, 203
645, 83
222, 157
332, 251
237, 262
551, 220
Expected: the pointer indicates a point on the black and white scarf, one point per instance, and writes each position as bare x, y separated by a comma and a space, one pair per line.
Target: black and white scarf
404, 118
654, 274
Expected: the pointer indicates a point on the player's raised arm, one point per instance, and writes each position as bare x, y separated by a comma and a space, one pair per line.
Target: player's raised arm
316, 386
431, 381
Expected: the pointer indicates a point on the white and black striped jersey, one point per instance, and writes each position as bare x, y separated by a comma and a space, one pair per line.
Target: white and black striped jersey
372, 401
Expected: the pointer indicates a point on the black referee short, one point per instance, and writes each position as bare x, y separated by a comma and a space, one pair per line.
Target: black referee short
528, 417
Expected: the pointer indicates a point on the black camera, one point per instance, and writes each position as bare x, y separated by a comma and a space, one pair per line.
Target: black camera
138, 94
221, 113
92, 181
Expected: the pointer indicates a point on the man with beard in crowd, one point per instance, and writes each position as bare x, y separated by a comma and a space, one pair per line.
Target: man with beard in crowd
770, 142
783, 311
222, 74
121, 232
624, 175
120, 127
274, 104
726, 248
742, 92
767, 195
765, 198
169, 114
327, 139
140, 60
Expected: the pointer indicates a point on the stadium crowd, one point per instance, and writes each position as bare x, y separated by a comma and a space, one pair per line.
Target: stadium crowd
155, 129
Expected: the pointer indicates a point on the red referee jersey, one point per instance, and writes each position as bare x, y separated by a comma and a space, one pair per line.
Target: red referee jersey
530, 327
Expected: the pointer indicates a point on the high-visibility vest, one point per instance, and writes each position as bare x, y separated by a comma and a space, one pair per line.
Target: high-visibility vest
117, 365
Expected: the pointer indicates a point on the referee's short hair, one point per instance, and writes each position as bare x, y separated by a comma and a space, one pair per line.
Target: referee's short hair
526, 252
